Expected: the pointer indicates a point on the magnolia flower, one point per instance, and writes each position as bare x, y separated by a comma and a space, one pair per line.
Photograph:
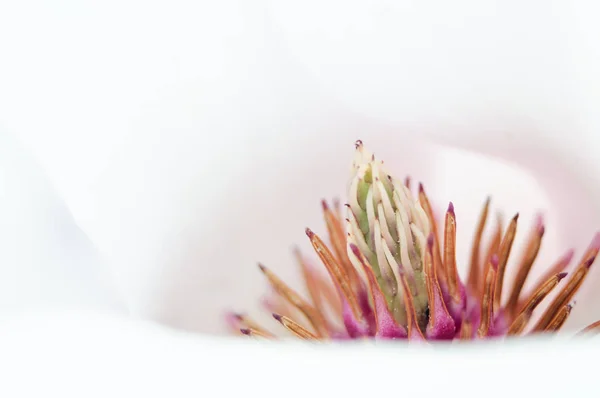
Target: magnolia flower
183, 138
393, 278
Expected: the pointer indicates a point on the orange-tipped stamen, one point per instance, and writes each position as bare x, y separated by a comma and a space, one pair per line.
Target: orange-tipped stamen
337, 208
255, 333
336, 271
503, 254
536, 298
529, 257
437, 257
450, 254
311, 314
474, 267
329, 293
487, 298
557, 268
559, 320
337, 236
320, 291
293, 327
249, 323
593, 249
310, 283
591, 328
494, 243
566, 294
519, 323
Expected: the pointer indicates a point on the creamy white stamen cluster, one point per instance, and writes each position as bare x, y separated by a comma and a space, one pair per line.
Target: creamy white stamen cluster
391, 228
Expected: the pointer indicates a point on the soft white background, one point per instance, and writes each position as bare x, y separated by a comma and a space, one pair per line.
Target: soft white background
190, 139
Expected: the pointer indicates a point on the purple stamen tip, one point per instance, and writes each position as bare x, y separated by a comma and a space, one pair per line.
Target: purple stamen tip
562, 275
245, 331
277, 317
309, 233
539, 223
324, 204
421, 189
589, 262
541, 229
451, 208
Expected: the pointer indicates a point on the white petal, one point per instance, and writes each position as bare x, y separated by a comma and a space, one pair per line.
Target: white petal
45, 259
81, 355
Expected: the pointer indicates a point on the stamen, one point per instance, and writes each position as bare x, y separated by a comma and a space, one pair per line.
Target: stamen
414, 332
339, 277
310, 283
558, 267
519, 323
337, 208
536, 298
254, 333
251, 324
294, 298
466, 328
560, 319
566, 294
337, 236
529, 257
437, 257
354, 233
274, 302
441, 325
386, 326
487, 298
494, 244
450, 254
293, 327
592, 328
474, 267
407, 182
503, 255
329, 293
